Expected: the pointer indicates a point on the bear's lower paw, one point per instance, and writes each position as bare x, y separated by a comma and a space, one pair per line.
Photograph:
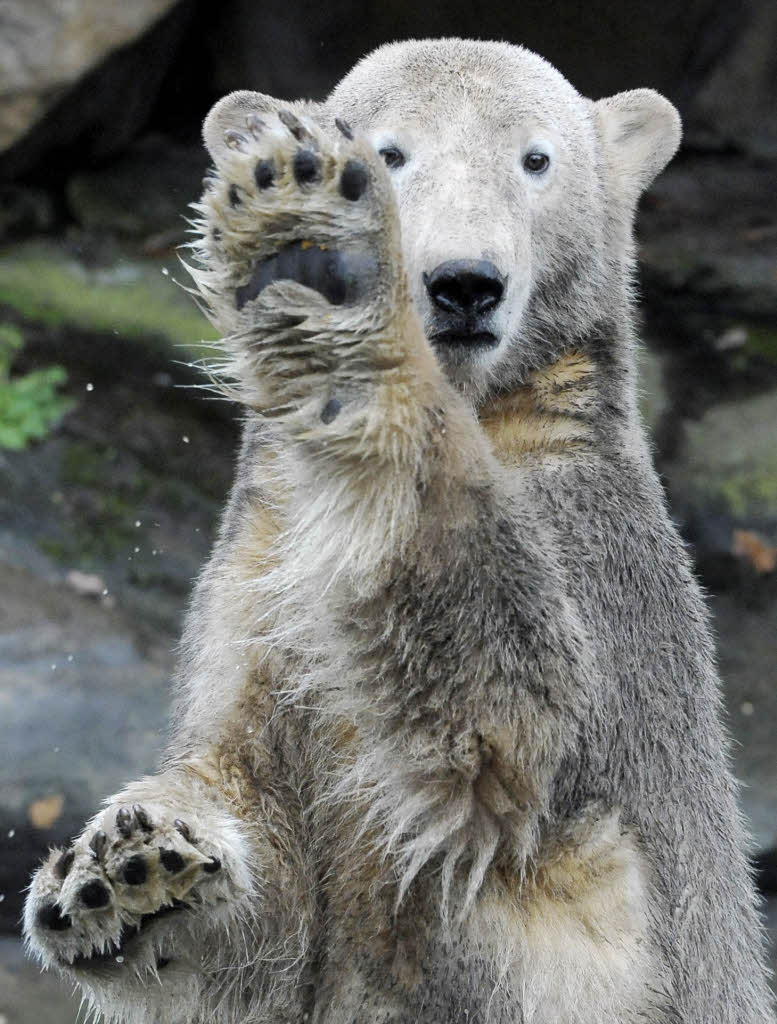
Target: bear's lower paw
119, 893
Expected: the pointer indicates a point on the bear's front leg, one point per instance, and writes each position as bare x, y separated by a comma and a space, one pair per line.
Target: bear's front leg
425, 596
147, 907
302, 271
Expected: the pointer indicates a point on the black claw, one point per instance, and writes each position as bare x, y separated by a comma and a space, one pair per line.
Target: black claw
213, 866
172, 861
234, 139
64, 864
141, 814
264, 173
255, 124
94, 895
124, 822
234, 196
98, 843
185, 831
344, 127
294, 125
161, 962
49, 916
306, 166
353, 182
330, 410
134, 871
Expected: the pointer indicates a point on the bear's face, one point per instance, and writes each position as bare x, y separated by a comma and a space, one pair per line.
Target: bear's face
515, 193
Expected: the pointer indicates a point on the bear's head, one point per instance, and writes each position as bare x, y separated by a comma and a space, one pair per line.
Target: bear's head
516, 196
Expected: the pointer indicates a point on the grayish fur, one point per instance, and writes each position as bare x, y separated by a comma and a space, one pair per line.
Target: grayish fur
448, 713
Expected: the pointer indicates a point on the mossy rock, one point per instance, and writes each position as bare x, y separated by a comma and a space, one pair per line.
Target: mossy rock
137, 299
728, 461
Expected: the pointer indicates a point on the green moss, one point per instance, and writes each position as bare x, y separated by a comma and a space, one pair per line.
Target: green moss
30, 405
762, 342
746, 493
132, 299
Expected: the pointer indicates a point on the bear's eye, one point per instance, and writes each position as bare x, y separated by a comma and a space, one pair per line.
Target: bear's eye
536, 163
393, 156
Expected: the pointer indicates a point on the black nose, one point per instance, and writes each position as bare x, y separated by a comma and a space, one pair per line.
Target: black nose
465, 286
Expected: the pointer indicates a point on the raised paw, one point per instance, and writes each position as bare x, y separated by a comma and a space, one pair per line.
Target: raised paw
120, 892
300, 259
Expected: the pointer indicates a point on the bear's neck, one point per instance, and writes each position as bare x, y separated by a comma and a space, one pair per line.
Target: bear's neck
581, 397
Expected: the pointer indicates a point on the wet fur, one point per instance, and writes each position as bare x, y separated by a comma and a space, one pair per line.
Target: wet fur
447, 707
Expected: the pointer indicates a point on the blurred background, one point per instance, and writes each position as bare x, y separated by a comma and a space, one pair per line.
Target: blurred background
112, 473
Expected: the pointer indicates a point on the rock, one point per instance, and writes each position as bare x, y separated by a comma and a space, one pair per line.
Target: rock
727, 464
707, 232
736, 106
95, 115
28, 996
85, 709
46, 48
86, 283
145, 192
105, 524
304, 50
24, 210
747, 647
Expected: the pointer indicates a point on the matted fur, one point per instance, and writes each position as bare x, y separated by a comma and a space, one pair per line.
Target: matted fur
447, 742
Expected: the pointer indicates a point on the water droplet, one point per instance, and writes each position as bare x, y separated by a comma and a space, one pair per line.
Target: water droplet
185, 438
165, 271
53, 667
137, 522
56, 750
105, 592
11, 833
2, 896
136, 550
90, 387
119, 959
70, 657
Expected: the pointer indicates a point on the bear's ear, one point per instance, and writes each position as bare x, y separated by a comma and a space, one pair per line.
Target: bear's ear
232, 112
641, 132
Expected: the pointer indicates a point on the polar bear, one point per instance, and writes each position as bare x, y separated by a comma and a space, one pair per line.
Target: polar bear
447, 742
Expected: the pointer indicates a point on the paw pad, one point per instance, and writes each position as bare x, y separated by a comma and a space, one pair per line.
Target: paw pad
51, 917
306, 167
353, 182
172, 861
264, 174
135, 871
94, 895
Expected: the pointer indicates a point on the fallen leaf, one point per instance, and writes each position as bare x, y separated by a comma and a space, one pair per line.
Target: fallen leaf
43, 813
756, 550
